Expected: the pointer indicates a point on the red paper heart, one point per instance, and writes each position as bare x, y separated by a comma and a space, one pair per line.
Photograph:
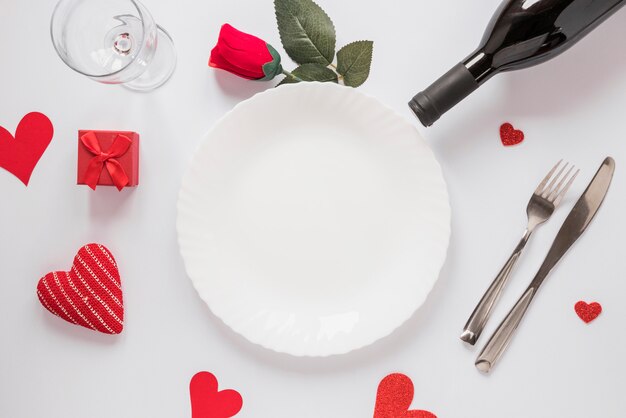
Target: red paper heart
90, 294
509, 135
207, 402
20, 154
395, 394
587, 311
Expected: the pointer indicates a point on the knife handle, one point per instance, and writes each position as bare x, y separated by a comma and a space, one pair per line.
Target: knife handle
501, 338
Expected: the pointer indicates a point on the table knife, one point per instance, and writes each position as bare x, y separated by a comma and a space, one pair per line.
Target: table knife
574, 225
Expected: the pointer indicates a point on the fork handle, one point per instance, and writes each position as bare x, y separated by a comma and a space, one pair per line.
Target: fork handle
477, 320
501, 338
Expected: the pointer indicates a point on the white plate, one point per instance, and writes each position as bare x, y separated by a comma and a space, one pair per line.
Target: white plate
313, 220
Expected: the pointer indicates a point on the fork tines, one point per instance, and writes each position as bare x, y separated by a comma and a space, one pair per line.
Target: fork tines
554, 192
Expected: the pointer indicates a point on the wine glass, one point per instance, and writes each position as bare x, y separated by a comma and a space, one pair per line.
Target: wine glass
113, 42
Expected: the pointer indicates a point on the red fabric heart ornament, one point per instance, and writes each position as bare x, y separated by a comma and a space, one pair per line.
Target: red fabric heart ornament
395, 394
20, 154
510, 136
587, 311
207, 402
90, 294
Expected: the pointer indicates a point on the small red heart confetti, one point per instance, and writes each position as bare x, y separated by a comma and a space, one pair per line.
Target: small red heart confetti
509, 135
90, 294
395, 394
207, 402
20, 154
587, 311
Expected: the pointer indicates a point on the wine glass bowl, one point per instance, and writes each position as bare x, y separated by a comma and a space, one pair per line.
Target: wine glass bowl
113, 42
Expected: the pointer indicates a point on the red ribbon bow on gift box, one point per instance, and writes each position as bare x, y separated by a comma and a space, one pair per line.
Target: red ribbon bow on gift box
107, 159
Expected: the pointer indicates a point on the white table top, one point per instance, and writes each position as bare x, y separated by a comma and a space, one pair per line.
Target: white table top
571, 107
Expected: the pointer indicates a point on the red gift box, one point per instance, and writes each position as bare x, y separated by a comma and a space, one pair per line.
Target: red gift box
108, 158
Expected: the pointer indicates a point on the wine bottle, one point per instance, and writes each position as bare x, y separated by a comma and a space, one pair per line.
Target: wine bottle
521, 33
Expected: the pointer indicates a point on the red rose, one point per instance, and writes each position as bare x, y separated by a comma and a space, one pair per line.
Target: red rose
245, 55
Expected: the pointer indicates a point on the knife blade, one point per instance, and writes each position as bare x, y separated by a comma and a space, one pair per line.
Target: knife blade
579, 217
574, 225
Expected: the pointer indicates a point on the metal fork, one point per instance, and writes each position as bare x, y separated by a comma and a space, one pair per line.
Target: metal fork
542, 204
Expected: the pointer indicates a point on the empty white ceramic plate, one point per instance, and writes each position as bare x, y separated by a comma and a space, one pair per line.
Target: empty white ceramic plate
313, 220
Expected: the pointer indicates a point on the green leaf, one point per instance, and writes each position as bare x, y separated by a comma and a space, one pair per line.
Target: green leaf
310, 72
354, 61
315, 72
306, 31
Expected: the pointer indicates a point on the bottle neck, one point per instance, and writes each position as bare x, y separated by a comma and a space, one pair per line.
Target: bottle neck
480, 65
443, 94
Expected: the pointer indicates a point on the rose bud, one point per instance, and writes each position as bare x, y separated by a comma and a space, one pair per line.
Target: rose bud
245, 55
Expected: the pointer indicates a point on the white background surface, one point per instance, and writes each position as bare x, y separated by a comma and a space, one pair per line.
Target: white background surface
557, 366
